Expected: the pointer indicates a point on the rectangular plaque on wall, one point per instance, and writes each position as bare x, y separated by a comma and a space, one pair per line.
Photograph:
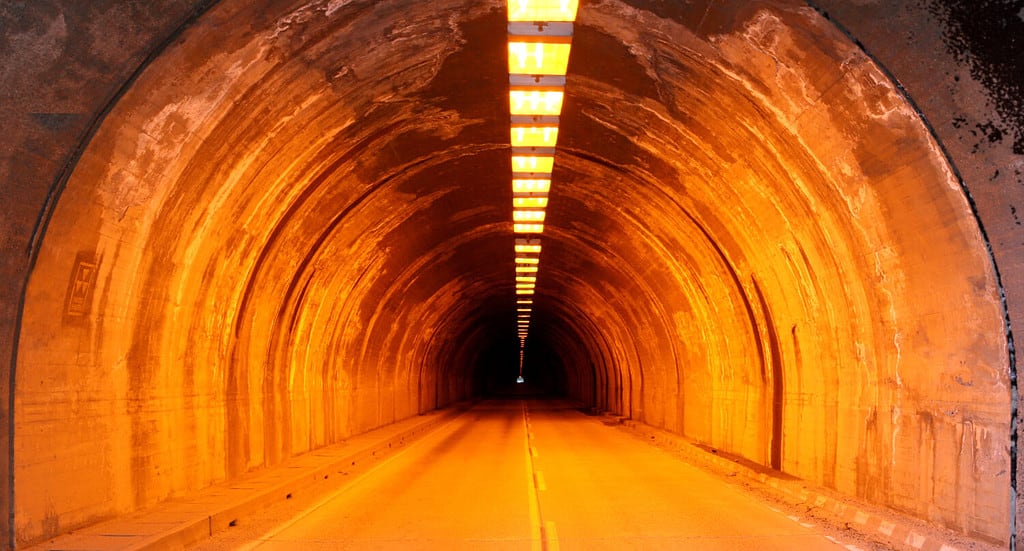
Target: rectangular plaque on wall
80, 288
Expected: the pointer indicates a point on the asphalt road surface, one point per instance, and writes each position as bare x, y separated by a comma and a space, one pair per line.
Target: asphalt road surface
532, 476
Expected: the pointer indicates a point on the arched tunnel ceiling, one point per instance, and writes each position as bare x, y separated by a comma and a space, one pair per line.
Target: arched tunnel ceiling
297, 228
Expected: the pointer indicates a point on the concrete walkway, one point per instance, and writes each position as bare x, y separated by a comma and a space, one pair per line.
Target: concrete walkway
178, 523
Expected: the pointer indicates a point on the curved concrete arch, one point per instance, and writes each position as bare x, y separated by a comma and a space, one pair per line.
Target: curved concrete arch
754, 242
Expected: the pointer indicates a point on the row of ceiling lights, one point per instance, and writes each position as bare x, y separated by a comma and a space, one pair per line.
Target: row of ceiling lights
539, 42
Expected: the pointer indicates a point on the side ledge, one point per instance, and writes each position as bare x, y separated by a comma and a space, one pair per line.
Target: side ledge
180, 522
871, 522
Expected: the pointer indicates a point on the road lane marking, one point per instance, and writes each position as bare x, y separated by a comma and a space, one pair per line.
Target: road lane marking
551, 536
536, 537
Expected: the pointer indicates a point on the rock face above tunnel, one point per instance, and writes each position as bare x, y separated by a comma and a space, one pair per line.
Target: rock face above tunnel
293, 225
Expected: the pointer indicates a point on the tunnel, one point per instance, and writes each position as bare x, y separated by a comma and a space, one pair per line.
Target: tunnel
239, 231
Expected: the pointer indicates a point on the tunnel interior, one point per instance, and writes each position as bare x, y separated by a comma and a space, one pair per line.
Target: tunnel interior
293, 226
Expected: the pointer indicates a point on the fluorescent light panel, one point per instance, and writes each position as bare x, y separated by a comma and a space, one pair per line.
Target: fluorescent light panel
528, 228
528, 215
530, 202
538, 57
542, 10
533, 163
525, 101
534, 136
523, 186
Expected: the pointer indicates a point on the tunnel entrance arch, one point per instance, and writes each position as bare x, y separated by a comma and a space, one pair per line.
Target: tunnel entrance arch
841, 206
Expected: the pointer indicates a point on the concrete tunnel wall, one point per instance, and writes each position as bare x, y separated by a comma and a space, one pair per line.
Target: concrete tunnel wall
292, 226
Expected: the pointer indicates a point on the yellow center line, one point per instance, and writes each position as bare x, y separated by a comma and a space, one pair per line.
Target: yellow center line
536, 540
551, 534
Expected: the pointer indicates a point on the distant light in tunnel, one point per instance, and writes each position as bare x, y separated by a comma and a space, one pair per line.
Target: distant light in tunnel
523, 101
542, 10
534, 135
528, 228
530, 202
528, 215
520, 379
538, 57
533, 163
523, 186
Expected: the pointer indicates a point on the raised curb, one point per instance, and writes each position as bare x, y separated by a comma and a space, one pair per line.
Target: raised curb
215, 509
861, 518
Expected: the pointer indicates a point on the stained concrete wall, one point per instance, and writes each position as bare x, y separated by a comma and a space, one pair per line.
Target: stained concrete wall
291, 225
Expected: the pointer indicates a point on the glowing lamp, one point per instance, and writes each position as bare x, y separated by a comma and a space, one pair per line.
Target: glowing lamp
534, 136
528, 228
526, 269
526, 186
530, 202
525, 301
533, 163
528, 101
528, 215
526, 279
538, 57
542, 10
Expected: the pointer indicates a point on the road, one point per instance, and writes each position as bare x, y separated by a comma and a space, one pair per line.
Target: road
533, 476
